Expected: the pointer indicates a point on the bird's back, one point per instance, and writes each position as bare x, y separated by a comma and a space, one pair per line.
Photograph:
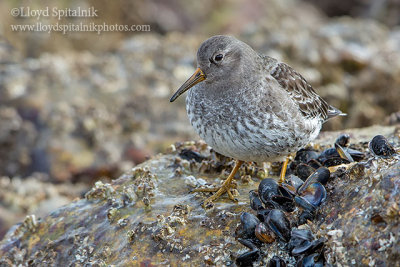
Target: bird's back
310, 104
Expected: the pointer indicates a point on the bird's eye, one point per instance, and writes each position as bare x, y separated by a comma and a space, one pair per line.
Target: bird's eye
218, 57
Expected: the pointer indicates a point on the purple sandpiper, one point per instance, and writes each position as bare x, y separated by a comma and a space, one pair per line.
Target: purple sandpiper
250, 107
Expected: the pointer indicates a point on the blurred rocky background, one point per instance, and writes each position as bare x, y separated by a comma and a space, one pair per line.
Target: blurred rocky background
82, 106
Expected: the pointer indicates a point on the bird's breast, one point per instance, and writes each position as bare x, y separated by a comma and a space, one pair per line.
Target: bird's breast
237, 127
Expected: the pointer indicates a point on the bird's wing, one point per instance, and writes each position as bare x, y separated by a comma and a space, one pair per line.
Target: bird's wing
310, 103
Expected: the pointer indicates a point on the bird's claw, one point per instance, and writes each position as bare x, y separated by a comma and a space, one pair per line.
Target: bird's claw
227, 187
219, 191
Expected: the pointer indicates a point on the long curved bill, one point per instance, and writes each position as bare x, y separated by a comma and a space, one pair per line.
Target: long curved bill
197, 77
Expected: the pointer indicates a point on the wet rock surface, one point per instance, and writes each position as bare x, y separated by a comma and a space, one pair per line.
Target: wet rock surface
148, 216
33, 195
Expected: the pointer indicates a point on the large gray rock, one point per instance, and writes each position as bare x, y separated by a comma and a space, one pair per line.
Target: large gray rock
148, 217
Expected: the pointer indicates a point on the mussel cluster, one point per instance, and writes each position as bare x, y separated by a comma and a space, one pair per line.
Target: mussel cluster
272, 203
308, 160
302, 193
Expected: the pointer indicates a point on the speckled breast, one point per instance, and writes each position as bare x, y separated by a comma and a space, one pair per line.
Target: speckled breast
241, 130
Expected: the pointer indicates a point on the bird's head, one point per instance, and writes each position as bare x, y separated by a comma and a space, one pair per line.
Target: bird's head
219, 59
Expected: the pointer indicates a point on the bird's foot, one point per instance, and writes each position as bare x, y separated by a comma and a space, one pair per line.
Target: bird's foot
228, 188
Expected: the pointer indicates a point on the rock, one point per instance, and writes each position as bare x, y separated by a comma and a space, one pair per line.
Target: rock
148, 217
33, 194
361, 220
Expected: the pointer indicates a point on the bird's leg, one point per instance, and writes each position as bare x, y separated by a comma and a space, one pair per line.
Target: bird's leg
225, 187
283, 171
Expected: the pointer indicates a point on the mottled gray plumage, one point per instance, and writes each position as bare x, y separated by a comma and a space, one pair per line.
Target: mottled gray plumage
249, 106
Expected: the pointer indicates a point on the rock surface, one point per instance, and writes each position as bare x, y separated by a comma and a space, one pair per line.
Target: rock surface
148, 217
33, 195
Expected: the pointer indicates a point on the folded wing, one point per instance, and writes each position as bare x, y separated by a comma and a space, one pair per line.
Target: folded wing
310, 103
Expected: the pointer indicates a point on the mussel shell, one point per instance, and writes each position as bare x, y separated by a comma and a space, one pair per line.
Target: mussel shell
321, 175
381, 147
343, 153
333, 153
304, 204
314, 260
279, 224
303, 242
255, 201
305, 216
328, 153
335, 161
303, 171
305, 155
267, 188
355, 154
295, 181
264, 234
248, 243
270, 205
343, 140
262, 214
298, 237
314, 163
276, 262
247, 227
307, 247
247, 258
287, 190
315, 194
284, 203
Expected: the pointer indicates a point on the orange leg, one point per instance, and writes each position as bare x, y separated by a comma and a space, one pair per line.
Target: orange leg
283, 171
225, 187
